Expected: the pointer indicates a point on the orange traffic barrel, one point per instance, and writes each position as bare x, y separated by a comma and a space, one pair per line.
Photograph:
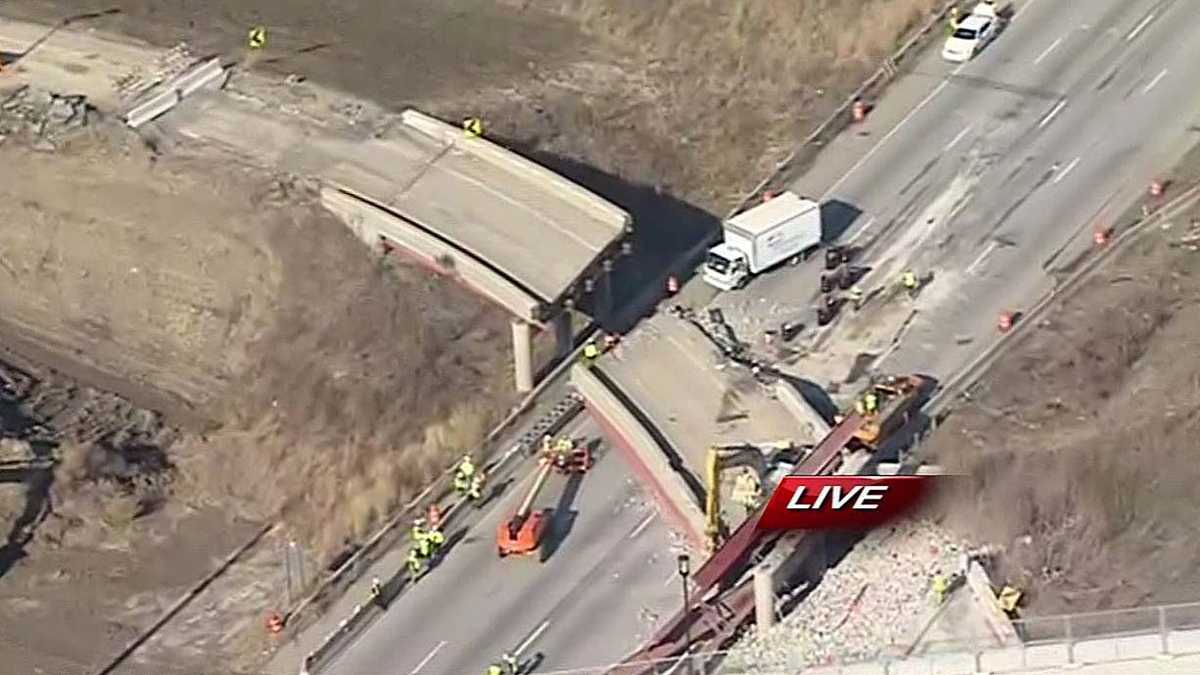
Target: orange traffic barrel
768, 196
436, 518
859, 111
672, 284
1156, 188
275, 623
1100, 237
1005, 323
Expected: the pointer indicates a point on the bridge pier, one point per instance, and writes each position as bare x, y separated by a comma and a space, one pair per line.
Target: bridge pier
522, 336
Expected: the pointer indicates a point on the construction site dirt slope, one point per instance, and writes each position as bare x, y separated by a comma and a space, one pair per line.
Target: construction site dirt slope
1080, 443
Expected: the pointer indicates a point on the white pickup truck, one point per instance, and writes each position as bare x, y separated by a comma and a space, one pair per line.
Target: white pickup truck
786, 226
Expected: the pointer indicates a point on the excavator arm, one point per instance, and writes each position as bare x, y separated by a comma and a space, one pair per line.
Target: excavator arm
720, 459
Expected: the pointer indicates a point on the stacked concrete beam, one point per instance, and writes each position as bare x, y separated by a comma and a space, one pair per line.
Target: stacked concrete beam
207, 74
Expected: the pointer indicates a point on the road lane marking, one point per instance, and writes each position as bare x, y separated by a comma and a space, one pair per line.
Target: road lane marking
532, 636
1052, 114
862, 230
1021, 10
871, 153
644, 524
1049, 49
1137, 29
982, 256
957, 138
1155, 81
428, 657
1063, 174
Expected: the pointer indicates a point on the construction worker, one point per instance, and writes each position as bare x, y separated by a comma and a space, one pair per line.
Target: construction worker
910, 281
590, 351
940, 587
418, 531
871, 402
473, 126
952, 25
856, 296
415, 563
860, 407
464, 474
495, 669
475, 488
257, 37
510, 662
377, 593
610, 341
436, 539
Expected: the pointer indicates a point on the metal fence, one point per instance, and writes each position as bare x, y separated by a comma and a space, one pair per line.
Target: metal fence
1091, 637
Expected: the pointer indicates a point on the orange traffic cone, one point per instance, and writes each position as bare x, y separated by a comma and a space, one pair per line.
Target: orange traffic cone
672, 285
768, 196
1156, 188
1005, 323
1100, 237
275, 623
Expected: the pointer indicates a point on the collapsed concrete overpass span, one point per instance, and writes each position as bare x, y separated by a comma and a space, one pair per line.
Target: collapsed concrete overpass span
517, 233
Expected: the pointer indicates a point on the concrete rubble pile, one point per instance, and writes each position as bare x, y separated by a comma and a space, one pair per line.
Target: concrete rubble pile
871, 603
44, 118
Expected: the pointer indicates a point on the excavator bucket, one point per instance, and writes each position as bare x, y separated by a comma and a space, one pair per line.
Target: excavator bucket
514, 537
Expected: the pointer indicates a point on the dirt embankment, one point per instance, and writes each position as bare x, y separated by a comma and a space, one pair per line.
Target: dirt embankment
1081, 444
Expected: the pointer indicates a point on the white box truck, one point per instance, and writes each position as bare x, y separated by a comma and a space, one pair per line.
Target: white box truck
757, 239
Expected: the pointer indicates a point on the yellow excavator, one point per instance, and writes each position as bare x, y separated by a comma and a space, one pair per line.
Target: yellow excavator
748, 490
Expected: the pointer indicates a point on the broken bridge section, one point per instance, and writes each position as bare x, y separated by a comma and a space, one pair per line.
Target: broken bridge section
513, 231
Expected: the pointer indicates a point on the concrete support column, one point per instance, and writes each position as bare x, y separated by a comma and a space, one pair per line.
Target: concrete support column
564, 339
764, 596
522, 334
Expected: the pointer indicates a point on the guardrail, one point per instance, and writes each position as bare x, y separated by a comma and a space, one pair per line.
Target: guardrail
837, 120
1048, 642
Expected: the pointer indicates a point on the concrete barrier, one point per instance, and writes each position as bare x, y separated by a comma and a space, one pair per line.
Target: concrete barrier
164, 97
648, 459
1183, 642
801, 409
980, 587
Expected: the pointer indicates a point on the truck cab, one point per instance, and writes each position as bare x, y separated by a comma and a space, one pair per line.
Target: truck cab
726, 267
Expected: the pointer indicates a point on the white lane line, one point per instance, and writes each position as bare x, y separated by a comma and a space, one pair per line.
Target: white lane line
1137, 29
1063, 174
1049, 49
1155, 81
643, 525
1052, 114
861, 231
428, 657
871, 153
532, 636
979, 261
957, 138
1022, 9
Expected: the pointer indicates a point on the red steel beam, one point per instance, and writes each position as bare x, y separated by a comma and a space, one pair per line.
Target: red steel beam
670, 640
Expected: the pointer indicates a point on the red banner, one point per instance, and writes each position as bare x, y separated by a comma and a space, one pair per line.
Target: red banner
842, 502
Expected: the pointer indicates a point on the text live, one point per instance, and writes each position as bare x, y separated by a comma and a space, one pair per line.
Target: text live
842, 502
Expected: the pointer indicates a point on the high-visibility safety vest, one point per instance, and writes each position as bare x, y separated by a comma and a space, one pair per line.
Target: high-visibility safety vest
257, 38
466, 468
436, 537
910, 280
590, 351
473, 126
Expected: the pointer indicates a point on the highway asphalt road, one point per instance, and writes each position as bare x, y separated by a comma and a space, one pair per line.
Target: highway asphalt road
996, 173
585, 606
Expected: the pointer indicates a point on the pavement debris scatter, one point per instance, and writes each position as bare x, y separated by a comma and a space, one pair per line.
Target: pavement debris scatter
44, 118
871, 601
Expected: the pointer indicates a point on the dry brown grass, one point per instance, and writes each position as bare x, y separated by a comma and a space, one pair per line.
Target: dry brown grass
711, 94
373, 379
1084, 442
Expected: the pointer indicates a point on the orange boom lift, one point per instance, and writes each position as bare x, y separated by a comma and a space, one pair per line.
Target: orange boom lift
522, 533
